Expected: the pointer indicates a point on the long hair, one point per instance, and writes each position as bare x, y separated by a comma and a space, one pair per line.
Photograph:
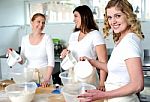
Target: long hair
87, 20
133, 22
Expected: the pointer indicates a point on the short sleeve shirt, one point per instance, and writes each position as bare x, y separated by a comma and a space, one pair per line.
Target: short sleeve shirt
86, 46
129, 47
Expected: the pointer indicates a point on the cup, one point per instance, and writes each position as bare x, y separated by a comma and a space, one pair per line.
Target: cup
13, 58
82, 70
68, 62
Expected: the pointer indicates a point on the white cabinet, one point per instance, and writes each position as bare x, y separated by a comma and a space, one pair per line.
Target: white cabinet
5, 69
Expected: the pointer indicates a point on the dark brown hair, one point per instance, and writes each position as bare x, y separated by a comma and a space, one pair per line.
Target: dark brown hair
87, 19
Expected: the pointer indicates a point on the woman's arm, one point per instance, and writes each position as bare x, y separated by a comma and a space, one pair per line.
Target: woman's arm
50, 60
102, 57
47, 77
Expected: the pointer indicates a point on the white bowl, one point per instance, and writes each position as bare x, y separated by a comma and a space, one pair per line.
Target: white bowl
71, 91
66, 78
23, 92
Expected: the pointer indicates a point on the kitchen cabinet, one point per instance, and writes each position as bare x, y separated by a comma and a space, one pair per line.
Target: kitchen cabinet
56, 71
5, 69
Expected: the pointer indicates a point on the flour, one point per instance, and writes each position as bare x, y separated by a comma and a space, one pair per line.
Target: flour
21, 96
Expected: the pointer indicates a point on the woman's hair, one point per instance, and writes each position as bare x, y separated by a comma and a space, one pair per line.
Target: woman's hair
132, 20
87, 20
37, 15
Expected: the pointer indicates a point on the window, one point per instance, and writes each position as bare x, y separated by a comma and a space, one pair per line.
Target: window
61, 10
137, 7
147, 10
55, 10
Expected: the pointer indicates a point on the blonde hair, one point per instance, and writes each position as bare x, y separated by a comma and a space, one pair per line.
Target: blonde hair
133, 22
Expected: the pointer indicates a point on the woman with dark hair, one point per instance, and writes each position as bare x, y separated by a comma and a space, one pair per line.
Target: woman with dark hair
125, 76
86, 40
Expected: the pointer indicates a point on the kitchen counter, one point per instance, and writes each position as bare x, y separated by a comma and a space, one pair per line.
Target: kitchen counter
52, 97
44, 95
3, 56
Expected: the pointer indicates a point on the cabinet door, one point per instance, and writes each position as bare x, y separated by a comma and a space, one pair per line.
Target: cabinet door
5, 69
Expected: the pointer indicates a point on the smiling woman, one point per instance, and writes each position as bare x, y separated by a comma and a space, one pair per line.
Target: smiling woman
37, 51
125, 76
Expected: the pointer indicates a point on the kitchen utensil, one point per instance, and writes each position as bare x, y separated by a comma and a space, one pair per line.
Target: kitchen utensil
71, 91
57, 46
57, 89
13, 58
66, 78
68, 62
82, 70
22, 75
23, 92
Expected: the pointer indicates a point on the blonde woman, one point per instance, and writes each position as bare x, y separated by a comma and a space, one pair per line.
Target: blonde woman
125, 76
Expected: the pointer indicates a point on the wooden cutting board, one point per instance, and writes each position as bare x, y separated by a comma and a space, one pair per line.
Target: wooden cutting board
47, 92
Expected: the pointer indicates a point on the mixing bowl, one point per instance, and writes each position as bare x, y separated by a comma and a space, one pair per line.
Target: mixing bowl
22, 75
66, 78
23, 92
71, 91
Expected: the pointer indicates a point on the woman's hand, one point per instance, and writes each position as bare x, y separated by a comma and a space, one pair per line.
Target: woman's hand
91, 95
84, 58
64, 53
45, 83
101, 86
9, 51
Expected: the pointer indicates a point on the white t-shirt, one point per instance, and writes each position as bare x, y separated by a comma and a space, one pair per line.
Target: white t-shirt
86, 46
129, 47
40, 55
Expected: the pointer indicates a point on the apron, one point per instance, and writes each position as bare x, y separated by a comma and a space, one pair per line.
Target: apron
129, 98
39, 74
92, 79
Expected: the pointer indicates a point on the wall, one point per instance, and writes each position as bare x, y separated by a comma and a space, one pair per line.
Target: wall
12, 12
56, 30
11, 17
